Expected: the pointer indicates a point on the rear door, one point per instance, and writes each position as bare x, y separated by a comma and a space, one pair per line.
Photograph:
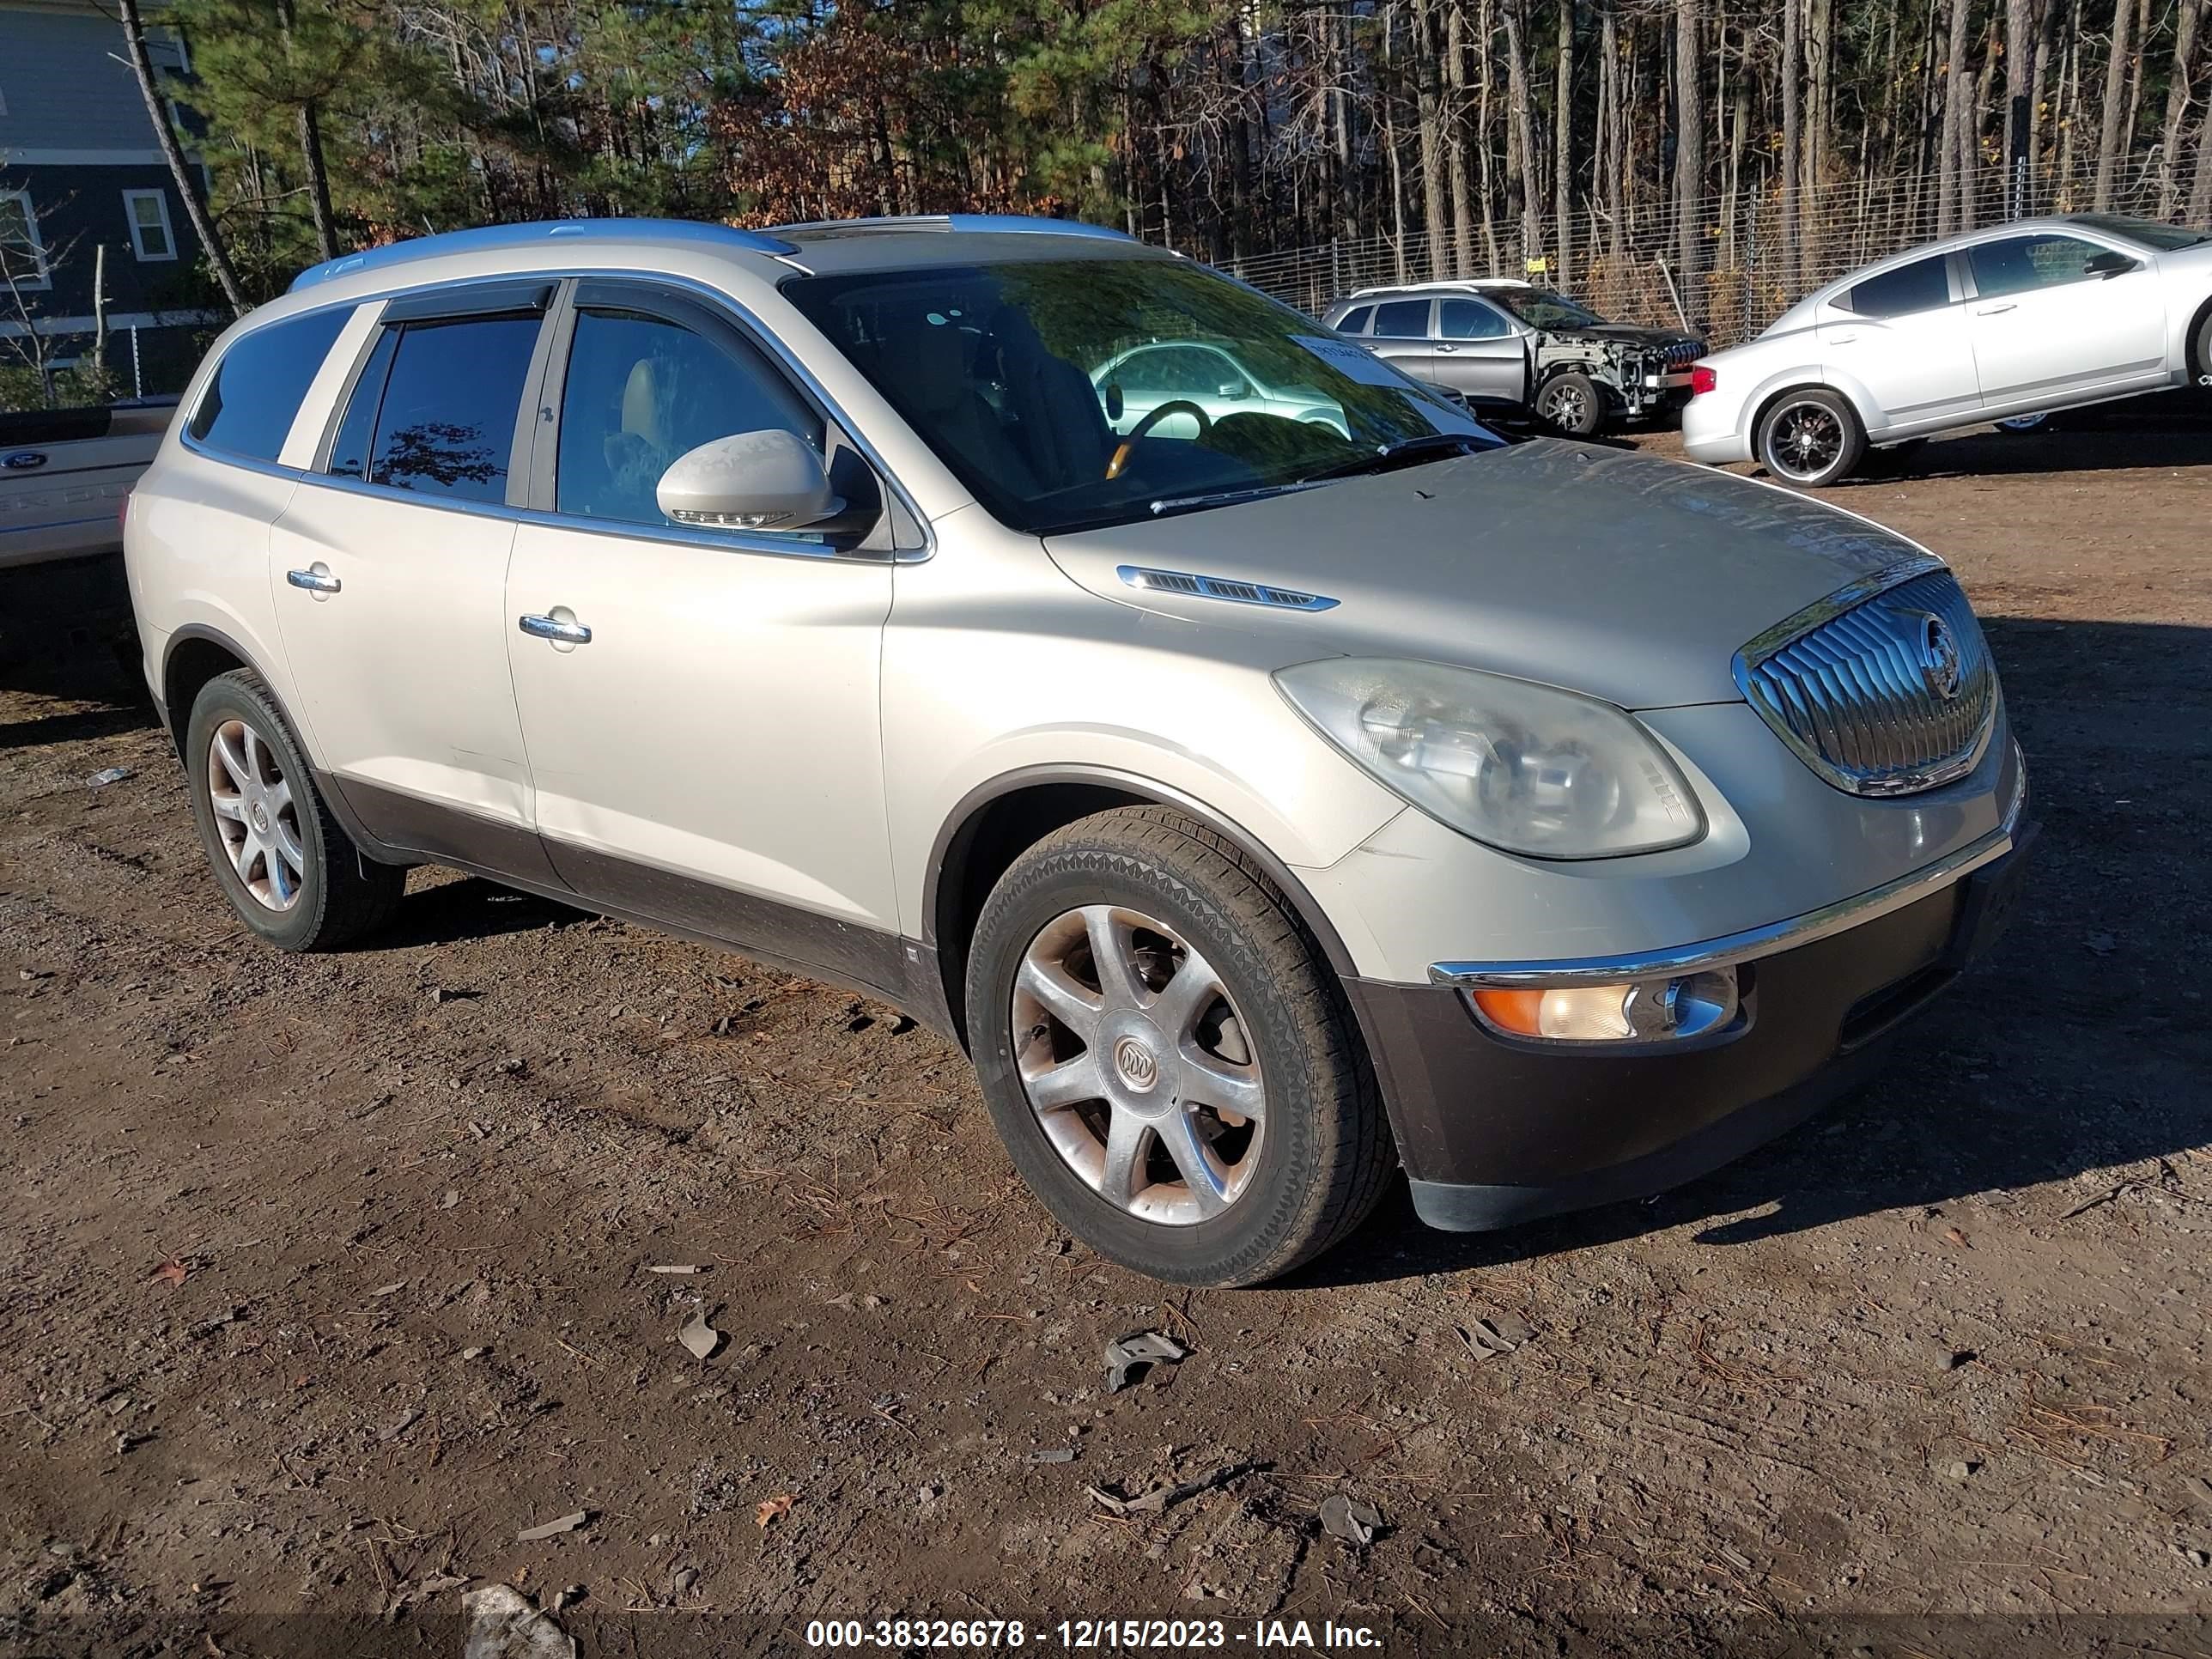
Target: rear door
389, 569
2047, 328
1479, 354
1900, 339
1401, 335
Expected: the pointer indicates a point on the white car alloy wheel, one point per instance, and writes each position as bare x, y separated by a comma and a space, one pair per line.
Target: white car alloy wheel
1136, 1064
2022, 423
255, 815
1810, 438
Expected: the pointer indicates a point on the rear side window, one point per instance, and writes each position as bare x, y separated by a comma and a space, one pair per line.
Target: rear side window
1355, 320
250, 402
1921, 286
1403, 319
434, 410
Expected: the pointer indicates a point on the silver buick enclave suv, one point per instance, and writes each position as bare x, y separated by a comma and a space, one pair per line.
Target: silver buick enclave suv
1262, 802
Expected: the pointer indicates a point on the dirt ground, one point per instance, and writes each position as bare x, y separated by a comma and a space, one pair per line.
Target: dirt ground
333, 1274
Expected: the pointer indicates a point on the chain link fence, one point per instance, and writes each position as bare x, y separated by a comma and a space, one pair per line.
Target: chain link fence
1754, 266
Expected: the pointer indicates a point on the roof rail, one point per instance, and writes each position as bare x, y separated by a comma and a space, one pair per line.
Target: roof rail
667, 232
1477, 283
1013, 224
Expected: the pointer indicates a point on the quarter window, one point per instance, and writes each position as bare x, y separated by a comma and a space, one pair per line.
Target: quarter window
1403, 319
149, 213
252, 400
641, 391
434, 410
1921, 286
2015, 264
1470, 319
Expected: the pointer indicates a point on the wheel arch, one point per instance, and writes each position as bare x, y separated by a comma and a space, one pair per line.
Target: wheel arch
1763, 405
193, 655
2195, 365
999, 820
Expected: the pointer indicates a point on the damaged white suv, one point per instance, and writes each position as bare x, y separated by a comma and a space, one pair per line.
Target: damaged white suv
1264, 802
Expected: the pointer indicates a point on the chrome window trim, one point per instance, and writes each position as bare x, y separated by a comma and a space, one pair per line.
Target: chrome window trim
741, 315
1754, 943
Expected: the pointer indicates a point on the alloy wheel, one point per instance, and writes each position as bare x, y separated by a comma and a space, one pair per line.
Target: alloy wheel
1565, 406
255, 815
1805, 441
1137, 1065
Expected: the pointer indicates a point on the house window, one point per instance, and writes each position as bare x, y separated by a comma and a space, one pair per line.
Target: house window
149, 213
22, 255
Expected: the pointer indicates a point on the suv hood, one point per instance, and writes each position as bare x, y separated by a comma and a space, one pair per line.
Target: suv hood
1606, 571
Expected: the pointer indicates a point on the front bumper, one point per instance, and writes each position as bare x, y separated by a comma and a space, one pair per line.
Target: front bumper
1495, 1131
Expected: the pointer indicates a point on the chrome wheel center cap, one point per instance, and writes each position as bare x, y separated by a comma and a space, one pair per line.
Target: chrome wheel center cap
259, 814
1137, 1068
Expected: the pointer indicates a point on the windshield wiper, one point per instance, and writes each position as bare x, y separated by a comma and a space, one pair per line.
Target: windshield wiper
1407, 452
1224, 497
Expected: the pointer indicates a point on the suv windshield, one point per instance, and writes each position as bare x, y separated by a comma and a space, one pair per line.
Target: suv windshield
1539, 307
1079, 393
2164, 238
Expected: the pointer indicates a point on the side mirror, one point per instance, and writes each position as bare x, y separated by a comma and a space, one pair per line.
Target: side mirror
2111, 263
766, 480
1232, 390
1110, 394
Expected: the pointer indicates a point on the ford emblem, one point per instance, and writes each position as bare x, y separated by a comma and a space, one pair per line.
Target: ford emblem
23, 460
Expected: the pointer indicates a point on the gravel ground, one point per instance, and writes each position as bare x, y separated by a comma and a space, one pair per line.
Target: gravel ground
334, 1274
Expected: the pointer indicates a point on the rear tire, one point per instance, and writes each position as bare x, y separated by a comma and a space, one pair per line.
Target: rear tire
287, 868
2204, 350
1225, 998
1811, 438
1571, 404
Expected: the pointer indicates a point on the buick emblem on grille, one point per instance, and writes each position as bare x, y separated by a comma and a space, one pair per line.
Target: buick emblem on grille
1941, 665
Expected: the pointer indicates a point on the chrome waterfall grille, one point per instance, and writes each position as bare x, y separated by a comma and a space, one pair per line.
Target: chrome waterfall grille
1883, 689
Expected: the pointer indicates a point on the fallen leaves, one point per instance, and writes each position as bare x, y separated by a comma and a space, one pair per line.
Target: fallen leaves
172, 1272
770, 1510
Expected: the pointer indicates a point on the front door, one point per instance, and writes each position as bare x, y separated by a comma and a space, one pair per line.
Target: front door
2046, 326
699, 706
1900, 340
389, 572
1401, 337
1479, 354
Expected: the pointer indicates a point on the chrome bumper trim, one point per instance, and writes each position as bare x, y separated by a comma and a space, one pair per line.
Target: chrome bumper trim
1754, 943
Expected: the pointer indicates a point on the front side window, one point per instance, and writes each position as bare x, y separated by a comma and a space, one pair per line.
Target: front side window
1403, 319
1470, 319
254, 395
148, 214
2165, 238
1007, 373
22, 255
1921, 286
1355, 320
435, 407
2018, 264
642, 392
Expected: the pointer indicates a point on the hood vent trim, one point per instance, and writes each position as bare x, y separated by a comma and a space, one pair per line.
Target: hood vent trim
1234, 591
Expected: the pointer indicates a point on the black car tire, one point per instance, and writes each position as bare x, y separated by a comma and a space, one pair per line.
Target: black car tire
1325, 1153
2203, 364
341, 894
1839, 439
1571, 404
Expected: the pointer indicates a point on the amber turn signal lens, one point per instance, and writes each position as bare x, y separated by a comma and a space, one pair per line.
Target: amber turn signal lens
1518, 1011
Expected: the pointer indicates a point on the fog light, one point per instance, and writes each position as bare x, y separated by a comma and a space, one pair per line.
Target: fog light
1634, 1011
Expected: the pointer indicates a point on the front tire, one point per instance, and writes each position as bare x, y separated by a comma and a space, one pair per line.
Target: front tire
288, 869
1167, 1056
1571, 404
1811, 438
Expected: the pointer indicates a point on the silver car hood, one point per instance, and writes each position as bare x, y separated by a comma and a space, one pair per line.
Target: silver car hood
1611, 572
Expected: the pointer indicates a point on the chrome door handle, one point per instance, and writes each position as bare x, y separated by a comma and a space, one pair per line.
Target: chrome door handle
551, 627
1446, 348
315, 581
1991, 311
1841, 339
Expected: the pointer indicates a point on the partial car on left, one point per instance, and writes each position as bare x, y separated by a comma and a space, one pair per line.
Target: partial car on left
66, 473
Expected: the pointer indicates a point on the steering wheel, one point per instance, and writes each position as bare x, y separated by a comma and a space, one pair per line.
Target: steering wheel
1143, 428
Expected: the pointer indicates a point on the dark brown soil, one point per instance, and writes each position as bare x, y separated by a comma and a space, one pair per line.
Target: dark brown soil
332, 1273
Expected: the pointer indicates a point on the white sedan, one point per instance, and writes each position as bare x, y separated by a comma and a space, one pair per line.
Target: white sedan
2016, 320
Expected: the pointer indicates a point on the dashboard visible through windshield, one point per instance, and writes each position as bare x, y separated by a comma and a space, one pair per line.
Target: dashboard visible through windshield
1074, 394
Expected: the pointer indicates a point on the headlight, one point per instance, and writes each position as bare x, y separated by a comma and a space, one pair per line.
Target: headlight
1524, 768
